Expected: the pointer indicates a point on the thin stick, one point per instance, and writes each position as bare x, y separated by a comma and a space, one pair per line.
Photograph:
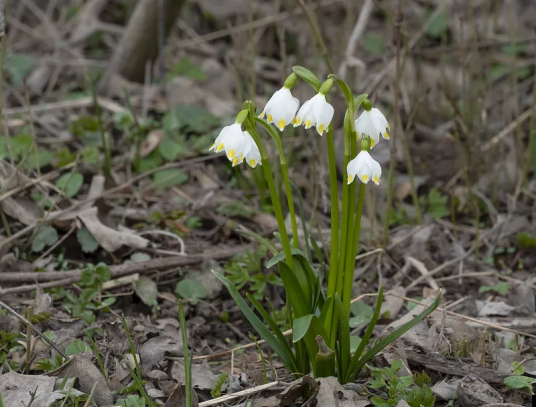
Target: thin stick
36, 330
238, 394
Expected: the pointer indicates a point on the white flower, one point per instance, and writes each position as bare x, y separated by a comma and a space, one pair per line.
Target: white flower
234, 141
281, 108
365, 168
315, 112
252, 155
372, 123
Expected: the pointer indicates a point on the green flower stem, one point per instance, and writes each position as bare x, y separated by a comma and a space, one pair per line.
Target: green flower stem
273, 192
334, 191
286, 181
350, 265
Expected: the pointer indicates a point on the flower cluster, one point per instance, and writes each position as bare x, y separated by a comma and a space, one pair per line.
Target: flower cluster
283, 109
369, 126
238, 145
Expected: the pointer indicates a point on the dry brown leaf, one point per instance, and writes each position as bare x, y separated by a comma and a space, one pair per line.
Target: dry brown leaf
178, 397
89, 378
152, 141
17, 390
110, 239
22, 209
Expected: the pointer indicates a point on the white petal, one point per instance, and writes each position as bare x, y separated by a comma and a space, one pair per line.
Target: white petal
235, 141
252, 155
323, 114
304, 112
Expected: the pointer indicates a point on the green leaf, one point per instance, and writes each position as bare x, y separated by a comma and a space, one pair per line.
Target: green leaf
519, 382
501, 287
168, 178
87, 241
45, 236
150, 162
70, 183
301, 326
438, 26
76, 347
380, 345
355, 341
362, 314
307, 76
18, 66
344, 338
374, 44
193, 119
261, 329
147, 290
170, 148
517, 368
525, 240
191, 289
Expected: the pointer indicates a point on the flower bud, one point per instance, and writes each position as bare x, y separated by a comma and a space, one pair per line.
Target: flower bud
241, 117
367, 105
290, 81
364, 144
326, 87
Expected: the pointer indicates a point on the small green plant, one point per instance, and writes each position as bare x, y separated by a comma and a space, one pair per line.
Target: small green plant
9, 343
501, 287
216, 391
435, 204
132, 400
86, 303
315, 312
517, 381
394, 388
245, 271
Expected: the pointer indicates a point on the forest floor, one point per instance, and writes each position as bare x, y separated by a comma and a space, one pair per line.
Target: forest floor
98, 241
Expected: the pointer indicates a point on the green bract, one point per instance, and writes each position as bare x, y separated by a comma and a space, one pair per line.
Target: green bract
320, 316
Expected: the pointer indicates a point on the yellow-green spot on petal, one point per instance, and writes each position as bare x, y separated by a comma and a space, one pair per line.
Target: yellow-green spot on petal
364, 178
231, 154
262, 114
388, 127
294, 121
307, 123
321, 128
281, 124
371, 142
220, 147
270, 118
376, 179
236, 161
252, 162
386, 135
241, 156
350, 178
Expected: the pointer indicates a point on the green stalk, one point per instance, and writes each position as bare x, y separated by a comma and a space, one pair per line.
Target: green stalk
349, 257
334, 192
187, 361
286, 181
350, 265
273, 192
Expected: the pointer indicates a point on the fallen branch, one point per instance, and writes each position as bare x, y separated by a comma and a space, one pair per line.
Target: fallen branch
55, 279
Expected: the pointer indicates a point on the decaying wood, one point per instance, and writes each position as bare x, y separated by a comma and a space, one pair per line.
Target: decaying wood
73, 276
440, 364
139, 43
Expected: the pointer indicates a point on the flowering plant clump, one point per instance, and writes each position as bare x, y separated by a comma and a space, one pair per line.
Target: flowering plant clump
319, 315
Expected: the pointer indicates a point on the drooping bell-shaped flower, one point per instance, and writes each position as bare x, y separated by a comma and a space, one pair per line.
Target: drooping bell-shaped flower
282, 106
371, 123
234, 141
365, 168
252, 155
315, 112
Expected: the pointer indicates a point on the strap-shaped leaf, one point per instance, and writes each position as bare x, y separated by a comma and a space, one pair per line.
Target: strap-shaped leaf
366, 335
294, 292
259, 326
281, 256
309, 77
275, 329
263, 241
381, 344
344, 337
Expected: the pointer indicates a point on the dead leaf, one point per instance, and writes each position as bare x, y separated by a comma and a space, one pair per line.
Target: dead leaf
446, 390
17, 390
22, 209
178, 397
392, 304
42, 301
523, 299
153, 351
493, 308
88, 375
147, 290
202, 376
110, 239
472, 391
331, 393
153, 140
